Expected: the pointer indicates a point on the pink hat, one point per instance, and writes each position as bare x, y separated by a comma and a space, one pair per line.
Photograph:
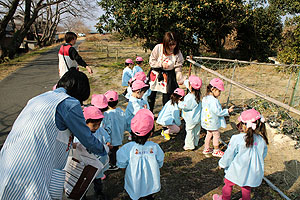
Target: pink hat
139, 58
195, 82
111, 95
138, 84
128, 60
99, 100
92, 112
140, 76
217, 83
142, 123
250, 116
179, 91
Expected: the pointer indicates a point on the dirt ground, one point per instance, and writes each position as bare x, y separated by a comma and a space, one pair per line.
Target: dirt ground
185, 174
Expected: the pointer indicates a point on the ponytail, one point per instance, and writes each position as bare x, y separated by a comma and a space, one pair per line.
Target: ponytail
197, 94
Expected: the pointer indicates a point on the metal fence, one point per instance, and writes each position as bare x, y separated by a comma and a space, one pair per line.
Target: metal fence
273, 90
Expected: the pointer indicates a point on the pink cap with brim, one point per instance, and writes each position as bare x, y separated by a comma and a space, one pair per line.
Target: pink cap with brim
129, 61
249, 116
195, 82
92, 112
217, 83
111, 95
179, 91
142, 123
99, 100
137, 84
139, 58
140, 76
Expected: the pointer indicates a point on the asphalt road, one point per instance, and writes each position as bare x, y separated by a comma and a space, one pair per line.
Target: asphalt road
33, 79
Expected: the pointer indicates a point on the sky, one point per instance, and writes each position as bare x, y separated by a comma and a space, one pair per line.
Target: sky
92, 22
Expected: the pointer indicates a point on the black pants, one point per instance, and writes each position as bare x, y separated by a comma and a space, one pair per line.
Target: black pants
149, 197
152, 96
113, 155
98, 186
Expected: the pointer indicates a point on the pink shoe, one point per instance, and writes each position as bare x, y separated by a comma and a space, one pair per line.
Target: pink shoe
104, 177
207, 151
217, 197
218, 153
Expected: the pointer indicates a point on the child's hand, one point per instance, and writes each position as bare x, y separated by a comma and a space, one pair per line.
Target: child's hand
165, 65
230, 109
145, 106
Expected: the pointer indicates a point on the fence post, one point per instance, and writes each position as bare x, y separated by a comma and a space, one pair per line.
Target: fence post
235, 63
107, 52
117, 55
294, 89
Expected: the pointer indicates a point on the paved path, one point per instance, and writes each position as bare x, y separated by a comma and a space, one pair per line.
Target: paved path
15, 90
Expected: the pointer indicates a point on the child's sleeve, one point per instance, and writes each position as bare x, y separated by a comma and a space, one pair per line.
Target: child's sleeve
160, 156
188, 103
265, 151
176, 117
122, 157
229, 154
217, 109
106, 136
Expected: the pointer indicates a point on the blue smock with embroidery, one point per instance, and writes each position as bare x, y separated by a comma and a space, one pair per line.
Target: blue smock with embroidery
191, 110
145, 96
142, 163
136, 69
243, 165
169, 115
126, 76
212, 115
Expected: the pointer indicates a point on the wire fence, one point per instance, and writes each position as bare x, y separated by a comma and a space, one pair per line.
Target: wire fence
273, 90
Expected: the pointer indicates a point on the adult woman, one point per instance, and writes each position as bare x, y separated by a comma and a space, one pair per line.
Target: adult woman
36, 149
165, 61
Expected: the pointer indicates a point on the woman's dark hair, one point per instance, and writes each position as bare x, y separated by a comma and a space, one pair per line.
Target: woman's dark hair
103, 109
113, 104
138, 62
260, 130
69, 36
140, 139
197, 94
209, 89
76, 84
169, 39
93, 120
175, 98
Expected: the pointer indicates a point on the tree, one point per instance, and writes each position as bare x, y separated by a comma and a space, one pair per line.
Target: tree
205, 22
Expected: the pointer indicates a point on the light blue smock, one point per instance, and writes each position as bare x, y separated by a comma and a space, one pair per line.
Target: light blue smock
142, 163
114, 122
126, 76
191, 110
212, 115
136, 69
244, 166
102, 137
169, 115
133, 106
145, 96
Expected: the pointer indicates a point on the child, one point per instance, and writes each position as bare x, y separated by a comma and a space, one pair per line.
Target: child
141, 158
191, 110
135, 102
139, 63
169, 116
100, 101
212, 116
114, 123
69, 57
93, 117
127, 72
243, 160
142, 77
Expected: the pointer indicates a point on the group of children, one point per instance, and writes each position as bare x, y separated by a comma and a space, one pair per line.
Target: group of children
243, 160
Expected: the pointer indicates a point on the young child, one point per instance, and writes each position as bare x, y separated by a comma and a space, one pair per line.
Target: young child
141, 158
191, 110
169, 116
93, 117
142, 77
135, 102
243, 160
114, 123
100, 101
138, 67
127, 72
212, 116
68, 56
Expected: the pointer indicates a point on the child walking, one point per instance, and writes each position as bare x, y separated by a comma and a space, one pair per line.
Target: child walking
191, 110
114, 123
142, 77
243, 160
169, 116
141, 158
93, 117
212, 116
138, 67
136, 102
